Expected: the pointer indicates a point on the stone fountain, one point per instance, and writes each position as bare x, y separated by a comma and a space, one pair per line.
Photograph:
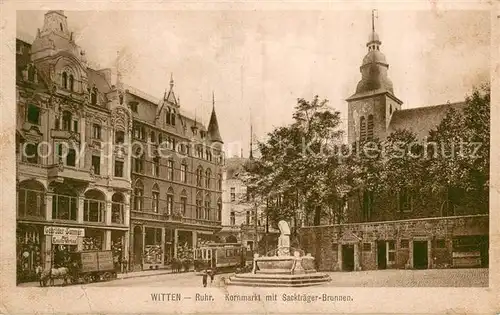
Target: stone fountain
282, 269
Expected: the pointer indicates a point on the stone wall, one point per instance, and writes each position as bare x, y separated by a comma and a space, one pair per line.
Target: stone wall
325, 242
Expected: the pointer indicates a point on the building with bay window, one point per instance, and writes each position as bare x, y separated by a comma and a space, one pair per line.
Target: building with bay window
73, 172
176, 172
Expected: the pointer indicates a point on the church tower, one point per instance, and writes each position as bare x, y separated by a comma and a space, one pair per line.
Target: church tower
371, 107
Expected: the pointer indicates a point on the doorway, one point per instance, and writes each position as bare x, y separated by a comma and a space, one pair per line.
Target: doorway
381, 255
347, 257
420, 260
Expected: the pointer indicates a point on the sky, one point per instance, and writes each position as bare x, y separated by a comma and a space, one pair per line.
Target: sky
258, 63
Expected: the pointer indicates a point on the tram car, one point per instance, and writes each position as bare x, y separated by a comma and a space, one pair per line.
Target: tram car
222, 256
92, 266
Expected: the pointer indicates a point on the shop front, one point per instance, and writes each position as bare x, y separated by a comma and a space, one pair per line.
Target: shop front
29, 240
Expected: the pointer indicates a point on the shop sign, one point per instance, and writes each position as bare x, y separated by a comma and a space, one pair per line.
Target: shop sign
59, 230
65, 239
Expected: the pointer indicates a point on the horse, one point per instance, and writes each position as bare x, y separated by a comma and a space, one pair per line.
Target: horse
54, 273
176, 265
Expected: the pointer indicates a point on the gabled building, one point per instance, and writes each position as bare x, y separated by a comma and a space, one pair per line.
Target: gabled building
73, 183
177, 180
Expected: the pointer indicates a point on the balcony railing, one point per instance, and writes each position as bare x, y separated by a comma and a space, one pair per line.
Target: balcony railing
149, 215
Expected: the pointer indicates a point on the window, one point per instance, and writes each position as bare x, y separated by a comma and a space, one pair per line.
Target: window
404, 244
183, 203
96, 131
233, 194
133, 106
232, 218
138, 196
152, 137
219, 182
93, 96
184, 172
160, 140
199, 206
30, 153
118, 168
64, 80
75, 125
206, 215
71, 83
67, 121
199, 176
156, 200
33, 115
208, 155
119, 137
391, 252
156, 166
167, 116
219, 210
170, 172
208, 174
31, 199
117, 208
367, 247
139, 162
172, 119
170, 201
362, 128
71, 158
96, 164
61, 26
369, 133
440, 243
405, 200
248, 218
57, 123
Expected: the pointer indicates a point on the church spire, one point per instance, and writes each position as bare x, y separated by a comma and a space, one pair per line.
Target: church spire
251, 141
213, 125
374, 40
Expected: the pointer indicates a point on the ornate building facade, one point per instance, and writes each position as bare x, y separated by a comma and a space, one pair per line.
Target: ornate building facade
73, 176
177, 180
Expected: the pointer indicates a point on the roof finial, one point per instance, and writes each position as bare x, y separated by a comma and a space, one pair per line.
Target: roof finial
373, 20
171, 80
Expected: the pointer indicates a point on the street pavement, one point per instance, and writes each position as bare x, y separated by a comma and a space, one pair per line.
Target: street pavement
371, 278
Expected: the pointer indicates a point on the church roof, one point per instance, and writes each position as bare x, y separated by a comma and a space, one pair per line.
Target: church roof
421, 120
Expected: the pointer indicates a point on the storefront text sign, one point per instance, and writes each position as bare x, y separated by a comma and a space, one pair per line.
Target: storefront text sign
59, 230
65, 239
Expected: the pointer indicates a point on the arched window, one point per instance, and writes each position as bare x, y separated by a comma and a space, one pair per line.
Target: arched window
117, 208
152, 137
93, 96
31, 199
206, 215
219, 181
71, 83
172, 118
170, 169
138, 196
64, 80
199, 176
184, 203
199, 205
170, 201
119, 136
219, 210
168, 116
139, 161
362, 128
67, 118
208, 175
369, 133
94, 209
155, 204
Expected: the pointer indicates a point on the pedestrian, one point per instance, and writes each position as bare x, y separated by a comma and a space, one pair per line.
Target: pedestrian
212, 275
204, 278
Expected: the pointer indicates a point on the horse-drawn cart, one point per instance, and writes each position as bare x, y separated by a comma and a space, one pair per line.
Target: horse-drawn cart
92, 266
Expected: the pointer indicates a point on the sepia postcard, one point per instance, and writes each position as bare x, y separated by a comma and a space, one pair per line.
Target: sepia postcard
232, 157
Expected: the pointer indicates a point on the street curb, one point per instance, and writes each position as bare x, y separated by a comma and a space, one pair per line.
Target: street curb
155, 274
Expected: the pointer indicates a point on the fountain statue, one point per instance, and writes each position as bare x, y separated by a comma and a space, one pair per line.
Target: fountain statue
282, 269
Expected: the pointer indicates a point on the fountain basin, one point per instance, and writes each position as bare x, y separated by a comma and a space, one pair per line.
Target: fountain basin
284, 265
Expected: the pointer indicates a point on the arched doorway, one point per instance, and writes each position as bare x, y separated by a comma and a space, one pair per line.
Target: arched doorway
138, 246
